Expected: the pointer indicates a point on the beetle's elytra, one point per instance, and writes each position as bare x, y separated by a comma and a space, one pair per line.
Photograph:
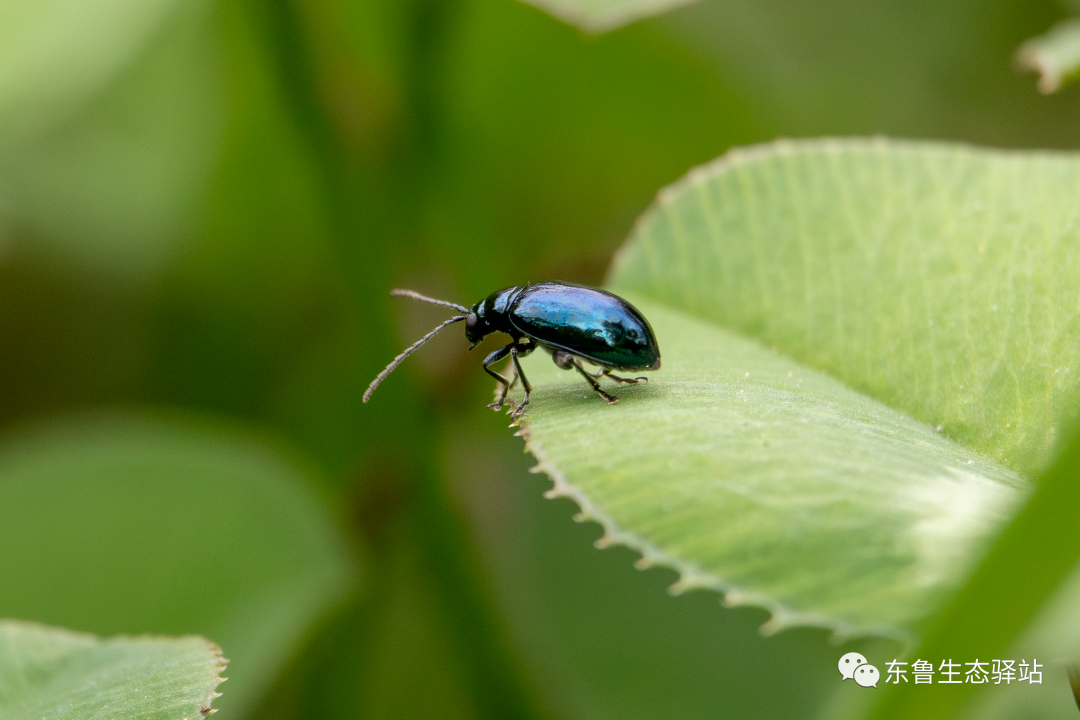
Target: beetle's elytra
573, 322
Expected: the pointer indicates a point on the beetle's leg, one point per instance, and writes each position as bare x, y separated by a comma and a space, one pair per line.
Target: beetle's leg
504, 384
513, 381
525, 346
514, 353
598, 375
606, 372
501, 391
563, 360
592, 381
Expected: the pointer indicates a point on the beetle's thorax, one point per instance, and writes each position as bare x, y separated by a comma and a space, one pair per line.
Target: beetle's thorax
490, 315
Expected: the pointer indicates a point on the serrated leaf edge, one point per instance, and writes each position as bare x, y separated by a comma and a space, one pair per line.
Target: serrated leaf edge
206, 707
692, 577
737, 156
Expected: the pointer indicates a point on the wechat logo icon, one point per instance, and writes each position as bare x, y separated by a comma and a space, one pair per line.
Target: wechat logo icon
854, 666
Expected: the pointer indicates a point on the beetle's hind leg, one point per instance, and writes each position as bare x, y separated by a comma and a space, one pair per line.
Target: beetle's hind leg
566, 359
592, 382
617, 378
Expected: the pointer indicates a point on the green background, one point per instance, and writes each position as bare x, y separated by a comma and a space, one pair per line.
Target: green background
203, 205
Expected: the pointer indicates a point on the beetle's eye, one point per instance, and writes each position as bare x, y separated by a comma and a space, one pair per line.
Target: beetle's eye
470, 321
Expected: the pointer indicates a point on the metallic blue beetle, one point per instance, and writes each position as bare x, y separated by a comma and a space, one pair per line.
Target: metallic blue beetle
573, 322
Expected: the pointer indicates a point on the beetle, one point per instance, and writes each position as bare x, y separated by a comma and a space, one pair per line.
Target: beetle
575, 323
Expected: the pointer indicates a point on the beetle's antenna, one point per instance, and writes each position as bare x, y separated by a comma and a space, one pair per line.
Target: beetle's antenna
423, 298
408, 351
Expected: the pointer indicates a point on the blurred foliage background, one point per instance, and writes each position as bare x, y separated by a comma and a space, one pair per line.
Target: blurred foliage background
203, 205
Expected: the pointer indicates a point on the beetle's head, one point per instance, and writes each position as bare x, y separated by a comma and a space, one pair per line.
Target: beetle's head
476, 325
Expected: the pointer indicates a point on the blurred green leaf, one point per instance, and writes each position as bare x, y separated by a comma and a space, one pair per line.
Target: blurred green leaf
1022, 601
56, 53
845, 67
933, 279
61, 675
597, 16
134, 524
555, 141
118, 183
1053, 640
415, 666
1055, 55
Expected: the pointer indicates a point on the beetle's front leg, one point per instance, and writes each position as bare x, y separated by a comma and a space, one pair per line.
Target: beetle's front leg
516, 351
504, 384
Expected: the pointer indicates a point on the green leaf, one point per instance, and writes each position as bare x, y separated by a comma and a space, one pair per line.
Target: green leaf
62, 675
121, 180
914, 316
1055, 55
56, 53
936, 278
601, 638
128, 523
1022, 602
773, 483
599, 16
